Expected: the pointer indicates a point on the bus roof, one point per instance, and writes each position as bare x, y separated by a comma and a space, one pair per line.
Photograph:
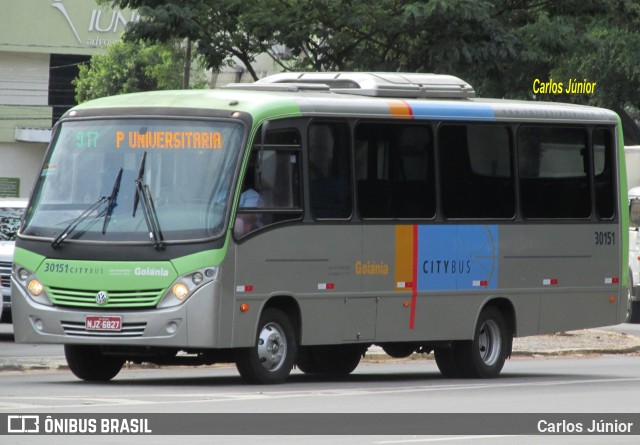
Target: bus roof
421, 96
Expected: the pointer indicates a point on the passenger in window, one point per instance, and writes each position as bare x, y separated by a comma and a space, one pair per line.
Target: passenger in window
249, 199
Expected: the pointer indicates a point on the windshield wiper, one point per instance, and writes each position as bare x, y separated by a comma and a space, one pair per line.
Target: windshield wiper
143, 195
73, 224
136, 196
112, 201
93, 207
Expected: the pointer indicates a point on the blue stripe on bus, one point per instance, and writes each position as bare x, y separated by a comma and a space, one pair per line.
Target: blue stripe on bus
459, 257
448, 110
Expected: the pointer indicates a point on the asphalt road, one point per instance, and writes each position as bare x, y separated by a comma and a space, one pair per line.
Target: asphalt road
589, 384
596, 384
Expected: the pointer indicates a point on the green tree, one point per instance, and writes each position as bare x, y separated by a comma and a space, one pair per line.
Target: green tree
218, 30
612, 60
499, 46
128, 67
488, 40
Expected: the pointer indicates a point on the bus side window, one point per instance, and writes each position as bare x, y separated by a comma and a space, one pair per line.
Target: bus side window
476, 171
604, 173
271, 187
277, 179
553, 180
329, 171
394, 171
248, 219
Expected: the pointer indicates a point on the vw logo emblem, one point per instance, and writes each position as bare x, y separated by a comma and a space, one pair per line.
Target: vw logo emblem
102, 297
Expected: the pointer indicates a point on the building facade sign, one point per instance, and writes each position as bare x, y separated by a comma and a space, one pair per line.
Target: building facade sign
60, 26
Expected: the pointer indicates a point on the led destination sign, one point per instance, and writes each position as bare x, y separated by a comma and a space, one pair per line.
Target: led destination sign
157, 139
169, 139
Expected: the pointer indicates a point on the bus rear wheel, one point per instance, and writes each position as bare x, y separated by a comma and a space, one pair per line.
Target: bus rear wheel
88, 362
634, 312
485, 355
270, 361
446, 361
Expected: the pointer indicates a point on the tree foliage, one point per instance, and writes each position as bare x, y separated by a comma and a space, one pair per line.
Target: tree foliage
128, 67
612, 60
499, 46
219, 29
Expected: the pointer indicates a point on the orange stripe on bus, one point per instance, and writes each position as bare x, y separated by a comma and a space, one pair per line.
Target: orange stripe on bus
404, 258
400, 109
406, 265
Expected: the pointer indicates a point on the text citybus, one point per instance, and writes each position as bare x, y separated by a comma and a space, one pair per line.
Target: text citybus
301, 219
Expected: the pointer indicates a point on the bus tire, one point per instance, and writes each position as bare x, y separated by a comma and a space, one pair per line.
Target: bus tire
305, 360
270, 361
485, 355
447, 362
87, 362
398, 350
332, 360
634, 312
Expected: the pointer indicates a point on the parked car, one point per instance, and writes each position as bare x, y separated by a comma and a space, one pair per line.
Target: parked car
11, 212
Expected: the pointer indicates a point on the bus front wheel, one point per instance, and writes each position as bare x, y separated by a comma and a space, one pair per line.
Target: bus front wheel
485, 355
271, 359
88, 362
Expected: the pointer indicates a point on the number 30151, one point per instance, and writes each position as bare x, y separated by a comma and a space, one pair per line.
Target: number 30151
605, 238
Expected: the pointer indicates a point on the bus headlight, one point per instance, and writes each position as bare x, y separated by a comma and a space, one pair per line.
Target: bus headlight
186, 285
30, 285
35, 288
180, 291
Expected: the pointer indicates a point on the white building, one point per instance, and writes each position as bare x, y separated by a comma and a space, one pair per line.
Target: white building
41, 44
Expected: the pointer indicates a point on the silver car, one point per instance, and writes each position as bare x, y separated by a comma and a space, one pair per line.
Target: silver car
11, 212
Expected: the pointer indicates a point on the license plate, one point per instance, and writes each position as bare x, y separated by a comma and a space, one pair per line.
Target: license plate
102, 323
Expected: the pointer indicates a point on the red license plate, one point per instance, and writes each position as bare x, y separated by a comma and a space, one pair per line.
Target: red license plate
100, 323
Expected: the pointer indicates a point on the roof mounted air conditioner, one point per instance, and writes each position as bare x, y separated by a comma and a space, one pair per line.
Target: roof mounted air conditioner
402, 85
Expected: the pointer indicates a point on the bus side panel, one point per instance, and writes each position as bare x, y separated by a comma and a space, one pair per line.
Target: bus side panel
555, 257
576, 310
228, 309
312, 263
429, 282
574, 268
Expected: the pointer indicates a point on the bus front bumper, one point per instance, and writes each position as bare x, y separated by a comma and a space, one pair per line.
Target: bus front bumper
192, 324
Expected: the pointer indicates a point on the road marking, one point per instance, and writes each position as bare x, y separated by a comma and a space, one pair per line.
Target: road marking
442, 439
12, 402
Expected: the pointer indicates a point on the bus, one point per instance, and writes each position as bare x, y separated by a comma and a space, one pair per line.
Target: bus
298, 220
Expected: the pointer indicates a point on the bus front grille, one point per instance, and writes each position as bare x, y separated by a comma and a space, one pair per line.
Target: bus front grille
116, 299
76, 329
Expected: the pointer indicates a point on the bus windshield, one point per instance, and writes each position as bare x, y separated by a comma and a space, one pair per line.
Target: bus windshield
97, 172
